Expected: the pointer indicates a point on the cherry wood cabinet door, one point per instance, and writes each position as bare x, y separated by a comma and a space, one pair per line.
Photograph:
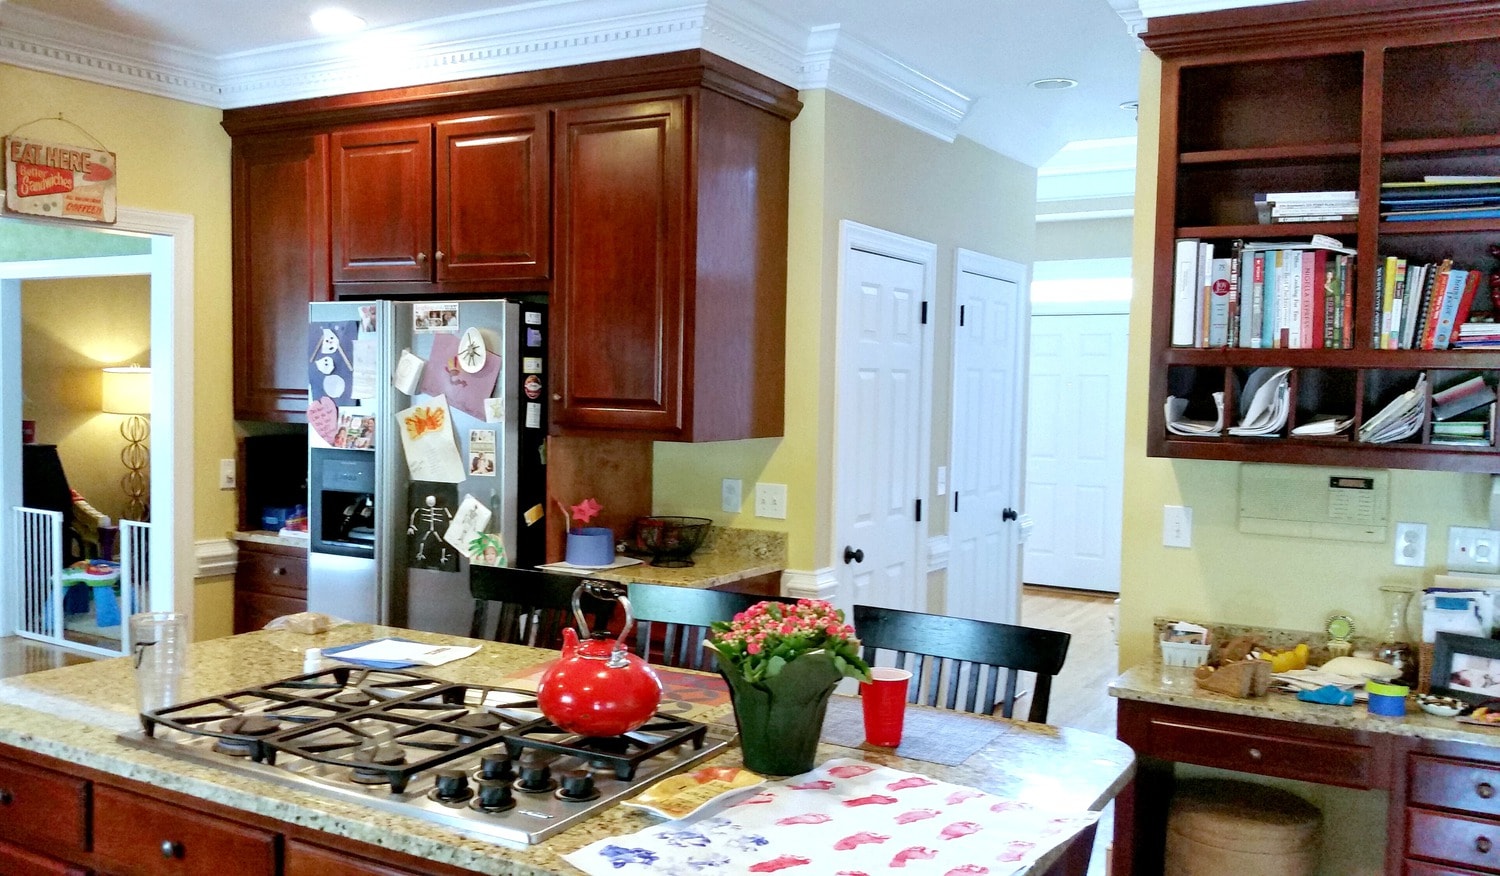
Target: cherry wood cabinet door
139, 836
382, 202
308, 860
280, 221
16, 861
42, 810
621, 279
494, 204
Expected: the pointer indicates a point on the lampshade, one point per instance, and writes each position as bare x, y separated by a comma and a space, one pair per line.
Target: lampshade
127, 390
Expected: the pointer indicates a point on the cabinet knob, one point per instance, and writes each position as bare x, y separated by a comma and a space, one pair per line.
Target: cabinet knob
421, 256
5, 797
1483, 845
171, 849
1485, 790
1255, 754
279, 570
557, 396
438, 255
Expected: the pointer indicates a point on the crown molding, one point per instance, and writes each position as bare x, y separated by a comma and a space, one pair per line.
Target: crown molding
531, 36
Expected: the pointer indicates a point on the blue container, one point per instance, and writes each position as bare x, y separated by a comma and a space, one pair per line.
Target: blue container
590, 546
1387, 700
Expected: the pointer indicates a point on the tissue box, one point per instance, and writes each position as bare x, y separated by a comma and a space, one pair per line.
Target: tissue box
1183, 654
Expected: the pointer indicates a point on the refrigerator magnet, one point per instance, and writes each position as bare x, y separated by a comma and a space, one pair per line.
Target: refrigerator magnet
532, 385
468, 522
471, 350
431, 511
533, 415
408, 372
487, 550
482, 453
427, 437
531, 365
330, 371
494, 410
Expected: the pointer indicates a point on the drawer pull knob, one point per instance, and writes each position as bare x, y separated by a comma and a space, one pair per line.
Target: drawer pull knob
1485, 790
1483, 845
1255, 754
421, 257
280, 570
5, 797
171, 849
438, 255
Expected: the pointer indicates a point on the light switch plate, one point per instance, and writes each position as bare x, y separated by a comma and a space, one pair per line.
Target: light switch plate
1473, 550
227, 477
770, 501
1176, 526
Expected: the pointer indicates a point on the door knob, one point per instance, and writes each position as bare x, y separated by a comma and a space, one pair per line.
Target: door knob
1008, 514
853, 556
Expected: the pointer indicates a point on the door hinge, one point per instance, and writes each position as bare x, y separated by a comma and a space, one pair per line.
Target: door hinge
919, 510
961, 308
924, 313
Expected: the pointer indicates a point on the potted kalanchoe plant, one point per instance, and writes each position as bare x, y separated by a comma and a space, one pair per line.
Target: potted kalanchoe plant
781, 662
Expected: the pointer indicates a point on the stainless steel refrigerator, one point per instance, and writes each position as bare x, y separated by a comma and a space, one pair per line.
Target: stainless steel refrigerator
426, 428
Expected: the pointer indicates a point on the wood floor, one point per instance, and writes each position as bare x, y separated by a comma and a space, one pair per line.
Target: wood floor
1080, 693
19, 656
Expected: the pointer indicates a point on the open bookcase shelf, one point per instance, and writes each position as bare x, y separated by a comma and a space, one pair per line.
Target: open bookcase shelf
1321, 101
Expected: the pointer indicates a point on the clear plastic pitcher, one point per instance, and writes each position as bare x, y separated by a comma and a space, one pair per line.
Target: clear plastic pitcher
159, 640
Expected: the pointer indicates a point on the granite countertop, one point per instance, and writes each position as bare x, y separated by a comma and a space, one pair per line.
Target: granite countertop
74, 713
264, 536
1144, 683
727, 555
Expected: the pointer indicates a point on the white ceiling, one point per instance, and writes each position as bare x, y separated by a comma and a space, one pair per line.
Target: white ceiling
949, 67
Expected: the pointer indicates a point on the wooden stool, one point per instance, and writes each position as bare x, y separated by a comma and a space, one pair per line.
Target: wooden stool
1227, 828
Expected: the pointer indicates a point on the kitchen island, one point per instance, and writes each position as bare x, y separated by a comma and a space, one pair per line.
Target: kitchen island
58, 734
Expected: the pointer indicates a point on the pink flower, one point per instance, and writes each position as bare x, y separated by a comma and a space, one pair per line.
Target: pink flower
753, 647
584, 511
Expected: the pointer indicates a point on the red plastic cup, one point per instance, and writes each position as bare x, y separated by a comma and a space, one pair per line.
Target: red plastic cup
884, 700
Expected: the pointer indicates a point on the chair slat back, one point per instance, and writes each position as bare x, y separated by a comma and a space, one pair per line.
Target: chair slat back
672, 622
534, 607
956, 655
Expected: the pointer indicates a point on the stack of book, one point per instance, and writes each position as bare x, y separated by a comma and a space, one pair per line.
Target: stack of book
1441, 197
1282, 294
1419, 305
1464, 413
1306, 206
1478, 335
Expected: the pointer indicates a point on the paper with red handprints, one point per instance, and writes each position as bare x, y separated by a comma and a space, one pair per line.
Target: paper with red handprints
427, 438
846, 817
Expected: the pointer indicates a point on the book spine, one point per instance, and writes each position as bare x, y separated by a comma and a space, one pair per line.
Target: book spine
1398, 306
1312, 300
1435, 308
1184, 282
1283, 297
1467, 302
1378, 315
1451, 298
1294, 300
1388, 301
1218, 302
1326, 272
1205, 291
1268, 298
1257, 297
1233, 340
1346, 289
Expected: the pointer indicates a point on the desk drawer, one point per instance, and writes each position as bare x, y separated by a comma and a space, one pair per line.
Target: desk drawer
138, 836
16, 861
43, 810
1455, 784
1310, 760
271, 572
1420, 868
1455, 839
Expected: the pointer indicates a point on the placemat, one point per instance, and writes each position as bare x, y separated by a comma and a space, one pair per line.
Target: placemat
936, 737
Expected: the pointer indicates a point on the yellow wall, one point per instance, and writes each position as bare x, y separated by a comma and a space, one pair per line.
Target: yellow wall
173, 157
850, 162
61, 357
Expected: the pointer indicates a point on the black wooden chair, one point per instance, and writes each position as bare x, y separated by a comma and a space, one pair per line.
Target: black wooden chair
671, 622
534, 607
940, 651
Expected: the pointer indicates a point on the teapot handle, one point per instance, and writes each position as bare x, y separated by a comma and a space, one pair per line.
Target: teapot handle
605, 590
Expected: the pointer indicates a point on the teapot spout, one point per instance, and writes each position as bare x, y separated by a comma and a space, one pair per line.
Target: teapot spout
570, 642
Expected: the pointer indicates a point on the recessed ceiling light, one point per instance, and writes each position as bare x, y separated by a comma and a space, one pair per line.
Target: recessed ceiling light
1056, 83
332, 20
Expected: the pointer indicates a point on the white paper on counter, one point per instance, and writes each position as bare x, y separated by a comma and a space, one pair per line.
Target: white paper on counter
846, 816
392, 651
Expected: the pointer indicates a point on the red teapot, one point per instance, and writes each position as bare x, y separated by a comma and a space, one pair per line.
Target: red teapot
597, 687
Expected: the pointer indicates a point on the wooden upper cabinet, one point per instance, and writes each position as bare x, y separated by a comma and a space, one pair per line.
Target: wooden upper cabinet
619, 300
494, 210
382, 203
280, 230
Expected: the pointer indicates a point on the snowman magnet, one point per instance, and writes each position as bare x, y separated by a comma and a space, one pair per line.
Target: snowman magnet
330, 371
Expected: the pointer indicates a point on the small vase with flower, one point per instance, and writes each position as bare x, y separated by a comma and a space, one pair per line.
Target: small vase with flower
782, 662
592, 546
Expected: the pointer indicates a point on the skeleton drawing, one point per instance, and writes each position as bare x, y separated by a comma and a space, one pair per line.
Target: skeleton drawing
429, 517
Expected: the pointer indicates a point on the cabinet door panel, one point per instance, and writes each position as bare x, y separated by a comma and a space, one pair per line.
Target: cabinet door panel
40, 809
280, 186
621, 279
16, 861
493, 195
382, 203
137, 835
306, 860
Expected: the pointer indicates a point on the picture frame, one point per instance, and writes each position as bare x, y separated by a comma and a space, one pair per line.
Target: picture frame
1466, 667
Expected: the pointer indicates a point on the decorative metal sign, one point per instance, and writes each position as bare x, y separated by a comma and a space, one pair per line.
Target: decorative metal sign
59, 180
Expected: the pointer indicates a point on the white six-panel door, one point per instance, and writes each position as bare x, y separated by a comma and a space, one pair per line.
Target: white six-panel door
883, 411
1075, 457
989, 350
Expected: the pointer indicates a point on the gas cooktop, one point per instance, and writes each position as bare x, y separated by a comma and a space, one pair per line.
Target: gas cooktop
482, 760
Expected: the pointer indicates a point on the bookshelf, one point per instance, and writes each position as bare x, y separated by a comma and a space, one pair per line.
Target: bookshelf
1324, 96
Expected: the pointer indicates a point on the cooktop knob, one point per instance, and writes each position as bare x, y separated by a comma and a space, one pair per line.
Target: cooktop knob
493, 797
452, 786
577, 785
497, 766
536, 775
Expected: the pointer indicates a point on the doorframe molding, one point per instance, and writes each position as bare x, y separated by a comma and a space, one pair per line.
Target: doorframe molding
877, 241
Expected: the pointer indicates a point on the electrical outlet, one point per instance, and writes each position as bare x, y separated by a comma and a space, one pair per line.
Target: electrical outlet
770, 501
1411, 544
1176, 526
731, 498
1473, 550
227, 478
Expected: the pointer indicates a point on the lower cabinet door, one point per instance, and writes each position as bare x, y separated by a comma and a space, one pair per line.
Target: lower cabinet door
1453, 839
138, 836
16, 861
306, 860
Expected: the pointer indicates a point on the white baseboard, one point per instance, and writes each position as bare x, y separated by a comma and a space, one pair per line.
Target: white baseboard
214, 557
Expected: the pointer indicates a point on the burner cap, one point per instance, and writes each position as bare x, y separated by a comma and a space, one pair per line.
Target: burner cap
484, 722
250, 725
353, 698
384, 755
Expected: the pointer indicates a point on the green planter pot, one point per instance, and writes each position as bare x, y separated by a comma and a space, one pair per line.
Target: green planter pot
781, 718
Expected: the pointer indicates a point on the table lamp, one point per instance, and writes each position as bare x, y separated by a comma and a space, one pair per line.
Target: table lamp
127, 390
